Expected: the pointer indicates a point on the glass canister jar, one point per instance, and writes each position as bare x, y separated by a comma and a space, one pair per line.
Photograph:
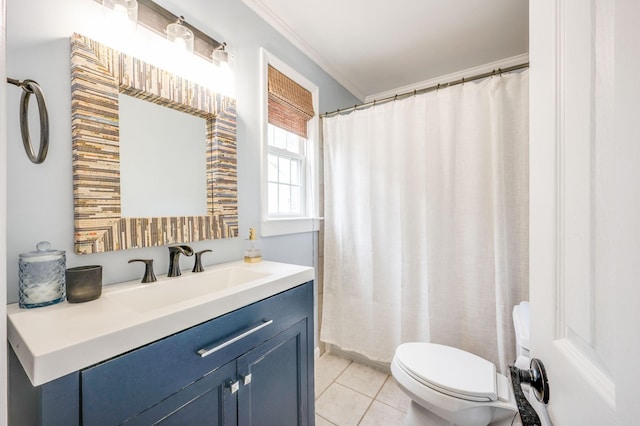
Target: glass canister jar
41, 277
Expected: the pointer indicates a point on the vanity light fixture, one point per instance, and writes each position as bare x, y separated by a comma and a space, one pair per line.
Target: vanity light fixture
157, 19
180, 35
123, 9
220, 56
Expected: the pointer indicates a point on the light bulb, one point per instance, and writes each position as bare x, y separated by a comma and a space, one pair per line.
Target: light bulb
180, 43
220, 56
120, 10
123, 10
180, 35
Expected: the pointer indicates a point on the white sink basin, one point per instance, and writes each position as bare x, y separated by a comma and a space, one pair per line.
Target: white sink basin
170, 291
59, 339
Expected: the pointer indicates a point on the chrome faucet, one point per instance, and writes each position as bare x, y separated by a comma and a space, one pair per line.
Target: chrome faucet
174, 262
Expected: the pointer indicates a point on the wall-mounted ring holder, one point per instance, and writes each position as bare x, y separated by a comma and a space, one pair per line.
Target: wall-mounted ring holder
30, 87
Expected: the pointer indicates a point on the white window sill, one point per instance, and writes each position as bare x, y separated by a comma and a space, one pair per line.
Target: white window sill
284, 226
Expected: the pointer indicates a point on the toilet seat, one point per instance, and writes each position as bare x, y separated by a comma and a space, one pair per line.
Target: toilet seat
451, 371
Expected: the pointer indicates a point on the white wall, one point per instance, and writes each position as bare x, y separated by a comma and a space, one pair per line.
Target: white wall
40, 198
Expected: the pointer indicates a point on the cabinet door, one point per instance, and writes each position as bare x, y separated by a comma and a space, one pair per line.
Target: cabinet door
274, 380
208, 401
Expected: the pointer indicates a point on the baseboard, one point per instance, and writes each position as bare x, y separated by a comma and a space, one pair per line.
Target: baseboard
380, 366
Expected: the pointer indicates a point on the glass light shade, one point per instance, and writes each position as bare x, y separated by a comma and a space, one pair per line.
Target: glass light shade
125, 9
220, 56
181, 36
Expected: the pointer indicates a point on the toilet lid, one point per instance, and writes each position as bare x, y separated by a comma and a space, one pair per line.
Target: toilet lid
449, 370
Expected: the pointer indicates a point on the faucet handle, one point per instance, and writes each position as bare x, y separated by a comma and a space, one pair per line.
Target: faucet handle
149, 276
197, 266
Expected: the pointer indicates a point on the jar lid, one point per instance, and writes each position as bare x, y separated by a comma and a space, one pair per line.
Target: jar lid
43, 253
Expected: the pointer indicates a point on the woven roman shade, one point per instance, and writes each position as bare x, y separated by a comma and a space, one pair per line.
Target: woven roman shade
290, 105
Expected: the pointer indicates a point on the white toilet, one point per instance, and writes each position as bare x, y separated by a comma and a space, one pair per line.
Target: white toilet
449, 386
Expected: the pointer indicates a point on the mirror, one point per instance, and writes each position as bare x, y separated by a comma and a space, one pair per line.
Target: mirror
107, 136
163, 168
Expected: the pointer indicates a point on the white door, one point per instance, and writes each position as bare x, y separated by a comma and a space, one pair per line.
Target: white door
3, 212
585, 208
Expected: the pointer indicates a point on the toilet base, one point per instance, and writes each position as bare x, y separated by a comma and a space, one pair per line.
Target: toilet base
417, 415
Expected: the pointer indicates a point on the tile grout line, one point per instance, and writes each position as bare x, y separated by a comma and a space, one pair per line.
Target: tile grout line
372, 400
333, 381
384, 403
391, 406
375, 399
357, 391
326, 420
383, 383
365, 412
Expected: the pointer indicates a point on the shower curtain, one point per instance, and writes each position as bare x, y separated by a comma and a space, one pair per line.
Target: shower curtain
426, 221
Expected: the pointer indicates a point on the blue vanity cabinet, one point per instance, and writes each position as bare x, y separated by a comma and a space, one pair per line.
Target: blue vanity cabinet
266, 386
259, 372
52, 404
277, 390
207, 401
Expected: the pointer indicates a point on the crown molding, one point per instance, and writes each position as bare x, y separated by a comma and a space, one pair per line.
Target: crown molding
279, 25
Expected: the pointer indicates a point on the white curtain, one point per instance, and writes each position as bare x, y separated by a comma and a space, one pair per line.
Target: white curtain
426, 221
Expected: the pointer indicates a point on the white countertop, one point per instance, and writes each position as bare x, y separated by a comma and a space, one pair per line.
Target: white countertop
56, 340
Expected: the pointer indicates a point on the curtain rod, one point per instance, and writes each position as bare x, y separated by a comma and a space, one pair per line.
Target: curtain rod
499, 71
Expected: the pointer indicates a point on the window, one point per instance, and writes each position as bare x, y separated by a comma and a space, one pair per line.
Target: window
290, 122
286, 163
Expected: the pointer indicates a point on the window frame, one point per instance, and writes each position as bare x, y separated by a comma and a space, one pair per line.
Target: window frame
301, 158
308, 221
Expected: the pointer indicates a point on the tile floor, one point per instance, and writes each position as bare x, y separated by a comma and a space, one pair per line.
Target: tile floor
349, 393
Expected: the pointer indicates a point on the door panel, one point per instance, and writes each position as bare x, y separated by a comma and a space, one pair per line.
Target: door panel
208, 401
626, 233
570, 165
278, 392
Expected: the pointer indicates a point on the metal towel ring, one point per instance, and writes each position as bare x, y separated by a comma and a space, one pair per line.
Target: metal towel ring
30, 87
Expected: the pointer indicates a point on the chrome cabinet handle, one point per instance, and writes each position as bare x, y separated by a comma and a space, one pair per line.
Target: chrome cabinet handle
246, 379
233, 386
208, 351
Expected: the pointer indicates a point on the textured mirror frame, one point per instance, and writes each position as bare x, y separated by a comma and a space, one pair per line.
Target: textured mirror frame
98, 75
